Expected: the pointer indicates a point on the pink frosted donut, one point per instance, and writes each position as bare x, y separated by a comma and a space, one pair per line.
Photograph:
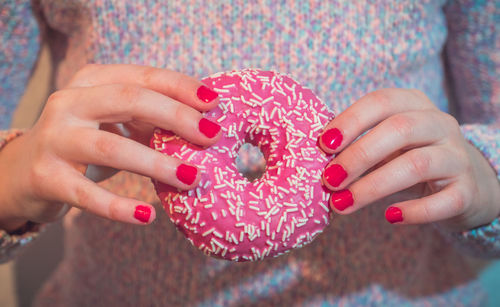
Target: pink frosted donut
227, 216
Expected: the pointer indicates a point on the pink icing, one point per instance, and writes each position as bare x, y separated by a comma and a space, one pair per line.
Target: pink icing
227, 216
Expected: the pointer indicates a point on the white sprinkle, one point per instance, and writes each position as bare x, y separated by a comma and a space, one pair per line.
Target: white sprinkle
206, 233
217, 243
279, 225
324, 207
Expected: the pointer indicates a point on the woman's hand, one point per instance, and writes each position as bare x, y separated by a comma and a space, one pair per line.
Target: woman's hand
104, 118
409, 142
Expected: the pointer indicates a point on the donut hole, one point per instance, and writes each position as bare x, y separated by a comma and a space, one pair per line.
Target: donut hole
250, 161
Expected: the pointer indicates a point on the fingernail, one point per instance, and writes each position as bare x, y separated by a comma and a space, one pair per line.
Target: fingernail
186, 173
332, 138
394, 215
335, 174
208, 128
341, 199
205, 94
142, 213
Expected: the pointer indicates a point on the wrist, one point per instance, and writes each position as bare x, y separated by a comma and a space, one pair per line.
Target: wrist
10, 221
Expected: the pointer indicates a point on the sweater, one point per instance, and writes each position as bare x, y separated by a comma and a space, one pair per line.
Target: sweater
341, 50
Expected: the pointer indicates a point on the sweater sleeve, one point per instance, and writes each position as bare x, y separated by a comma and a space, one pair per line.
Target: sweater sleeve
472, 53
19, 47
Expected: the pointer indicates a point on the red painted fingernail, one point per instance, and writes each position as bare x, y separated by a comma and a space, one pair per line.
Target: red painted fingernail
142, 213
394, 215
205, 94
208, 128
332, 138
335, 174
186, 173
341, 199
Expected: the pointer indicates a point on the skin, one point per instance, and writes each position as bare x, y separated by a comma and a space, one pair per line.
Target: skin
99, 124
411, 143
102, 122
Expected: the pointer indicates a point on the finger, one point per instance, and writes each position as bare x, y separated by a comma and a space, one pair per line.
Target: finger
445, 204
415, 166
108, 149
137, 131
367, 112
170, 83
124, 103
80, 192
397, 133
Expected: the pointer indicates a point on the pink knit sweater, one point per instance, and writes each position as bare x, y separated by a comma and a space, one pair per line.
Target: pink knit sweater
341, 50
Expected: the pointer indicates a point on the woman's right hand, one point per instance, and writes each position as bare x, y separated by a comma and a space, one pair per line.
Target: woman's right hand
103, 118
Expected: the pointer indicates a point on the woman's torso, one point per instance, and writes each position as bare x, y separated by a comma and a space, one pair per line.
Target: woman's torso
341, 50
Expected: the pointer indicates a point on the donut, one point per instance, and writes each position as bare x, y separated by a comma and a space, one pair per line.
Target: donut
232, 217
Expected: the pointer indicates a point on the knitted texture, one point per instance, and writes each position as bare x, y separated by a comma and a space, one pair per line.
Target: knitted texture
19, 37
341, 50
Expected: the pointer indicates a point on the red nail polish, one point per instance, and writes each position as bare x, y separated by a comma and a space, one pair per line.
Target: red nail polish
332, 138
205, 94
341, 199
186, 173
335, 174
142, 213
393, 215
208, 128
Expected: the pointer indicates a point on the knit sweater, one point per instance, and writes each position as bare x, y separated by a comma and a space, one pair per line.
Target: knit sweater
341, 50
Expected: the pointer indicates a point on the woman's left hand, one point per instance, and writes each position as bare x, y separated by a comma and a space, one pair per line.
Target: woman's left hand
409, 142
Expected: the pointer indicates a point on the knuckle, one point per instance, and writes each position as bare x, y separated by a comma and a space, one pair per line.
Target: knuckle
426, 214
382, 97
105, 149
87, 70
417, 93
57, 101
82, 197
148, 75
372, 186
402, 124
114, 208
361, 155
84, 75
419, 164
457, 201
159, 166
176, 81
183, 112
128, 95
355, 119
421, 97
450, 122
462, 160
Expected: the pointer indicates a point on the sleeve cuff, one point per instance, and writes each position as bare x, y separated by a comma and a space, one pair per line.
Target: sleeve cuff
12, 244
